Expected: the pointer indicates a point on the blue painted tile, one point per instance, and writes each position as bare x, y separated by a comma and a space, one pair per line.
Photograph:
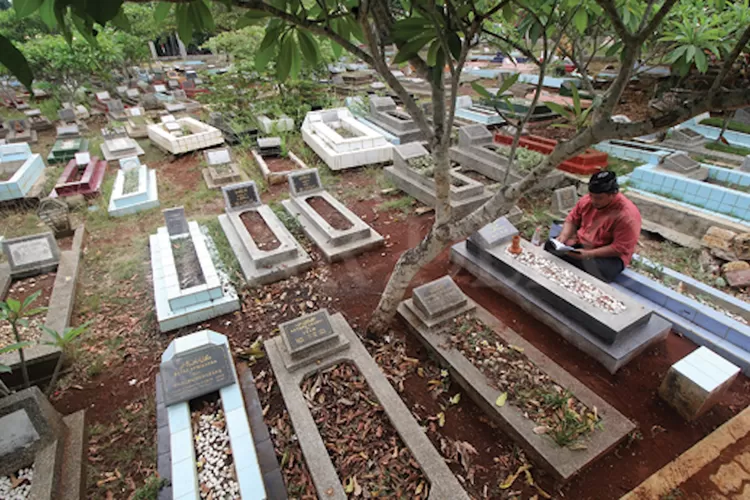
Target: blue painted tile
716, 195
710, 323
668, 184
652, 295
739, 339
744, 180
713, 205
719, 175
730, 199
680, 309
179, 417
231, 398
733, 177
181, 445
704, 192
184, 478
679, 186
692, 188
743, 202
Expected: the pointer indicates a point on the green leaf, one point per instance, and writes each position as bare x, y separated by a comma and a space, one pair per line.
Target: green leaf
581, 20
121, 21
184, 24
406, 29
284, 62
559, 109
13, 305
501, 399
441, 419
162, 11
336, 49
479, 89
25, 8
614, 49
103, 11
14, 347
454, 45
432, 52
508, 82
252, 17
690, 53
576, 99
85, 29
455, 399
47, 13
262, 57
271, 38
201, 10
308, 46
296, 62
701, 62
412, 48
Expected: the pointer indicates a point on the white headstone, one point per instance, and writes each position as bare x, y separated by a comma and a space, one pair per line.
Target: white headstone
83, 158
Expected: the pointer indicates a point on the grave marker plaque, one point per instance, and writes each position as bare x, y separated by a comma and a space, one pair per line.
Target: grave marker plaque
438, 297
241, 195
493, 234
304, 182
30, 255
218, 156
56, 214
564, 199
195, 373
177, 224
307, 332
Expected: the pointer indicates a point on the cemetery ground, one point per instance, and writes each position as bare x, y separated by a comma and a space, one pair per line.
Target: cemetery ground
112, 373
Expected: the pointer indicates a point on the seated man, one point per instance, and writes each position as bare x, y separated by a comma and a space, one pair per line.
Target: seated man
604, 227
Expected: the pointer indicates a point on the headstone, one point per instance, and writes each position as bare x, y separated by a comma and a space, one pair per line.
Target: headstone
493, 234
179, 95
438, 298
16, 432
115, 106
30, 255
68, 131
219, 156
304, 182
241, 196
696, 382
474, 135
130, 162
160, 88
742, 116
745, 164
83, 159
680, 162
103, 96
133, 93
168, 119
195, 373
269, 146
56, 214
177, 224
307, 332
564, 200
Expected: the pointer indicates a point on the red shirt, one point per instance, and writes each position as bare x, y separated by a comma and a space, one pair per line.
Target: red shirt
619, 225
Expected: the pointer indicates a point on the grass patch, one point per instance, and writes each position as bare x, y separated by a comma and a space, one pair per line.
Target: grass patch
224, 249
733, 125
51, 174
290, 221
621, 167
150, 489
402, 204
727, 148
131, 181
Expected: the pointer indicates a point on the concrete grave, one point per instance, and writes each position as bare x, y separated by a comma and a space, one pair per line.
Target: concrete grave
278, 255
81, 178
116, 110
563, 201
435, 330
742, 115
137, 123
121, 148
67, 115
466, 109
56, 215
68, 132
745, 164
176, 222
188, 286
694, 384
275, 125
221, 169
682, 164
20, 131
37, 120
276, 169
412, 173
193, 366
477, 151
134, 189
184, 135
684, 138
604, 322
269, 146
493, 234
31, 255
385, 114
33, 434
232, 134
65, 149
344, 142
343, 345
21, 172
351, 237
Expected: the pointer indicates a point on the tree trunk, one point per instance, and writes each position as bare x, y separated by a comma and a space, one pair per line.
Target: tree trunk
55, 374
24, 370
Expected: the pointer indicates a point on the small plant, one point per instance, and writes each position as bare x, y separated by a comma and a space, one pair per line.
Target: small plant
16, 313
4, 391
63, 342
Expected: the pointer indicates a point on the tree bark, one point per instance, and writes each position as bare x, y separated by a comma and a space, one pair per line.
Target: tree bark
55, 374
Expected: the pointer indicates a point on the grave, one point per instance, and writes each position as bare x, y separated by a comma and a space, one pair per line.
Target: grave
466, 109
384, 114
68, 132
281, 123
682, 164
21, 172
742, 115
443, 318
37, 120
82, 176
587, 163
221, 169
745, 167
3, 130
634, 151
185, 99
184, 135
20, 131
337, 231
196, 367
477, 151
342, 141
264, 247
34, 436
604, 322
31, 255
563, 201
188, 285
694, 384
134, 189
67, 116
132, 96
137, 123
412, 173
121, 148
150, 102
56, 215
65, 149
275, 167
232, 133
116, 110
684, 138
319, 340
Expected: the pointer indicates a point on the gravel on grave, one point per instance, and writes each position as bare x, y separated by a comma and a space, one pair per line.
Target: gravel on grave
579, 287
19, 290
217, 478
367, 452
17, 486
555, 411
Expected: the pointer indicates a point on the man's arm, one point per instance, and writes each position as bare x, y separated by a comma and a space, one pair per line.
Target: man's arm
568, 231
594, 253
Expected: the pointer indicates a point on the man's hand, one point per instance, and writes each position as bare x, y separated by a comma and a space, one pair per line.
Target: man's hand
580, 254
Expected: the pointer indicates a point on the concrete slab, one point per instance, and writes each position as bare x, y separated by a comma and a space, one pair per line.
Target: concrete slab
564, 463
612, 356
327, 482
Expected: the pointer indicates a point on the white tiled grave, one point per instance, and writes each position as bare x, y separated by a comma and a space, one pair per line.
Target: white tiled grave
120, 148
385, 114
464, 198
181, 442
335, 244
176, 307
170, 137
274, 126
369, 147
260, 266
144, 197
694, 384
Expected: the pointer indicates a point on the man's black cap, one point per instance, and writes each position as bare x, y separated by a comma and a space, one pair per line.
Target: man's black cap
603, 182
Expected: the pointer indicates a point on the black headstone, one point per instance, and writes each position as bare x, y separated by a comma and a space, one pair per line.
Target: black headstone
306, 332
241, 195
195, 373
305, 182
177, 224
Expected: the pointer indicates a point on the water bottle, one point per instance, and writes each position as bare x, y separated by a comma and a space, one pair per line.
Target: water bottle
536, 240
